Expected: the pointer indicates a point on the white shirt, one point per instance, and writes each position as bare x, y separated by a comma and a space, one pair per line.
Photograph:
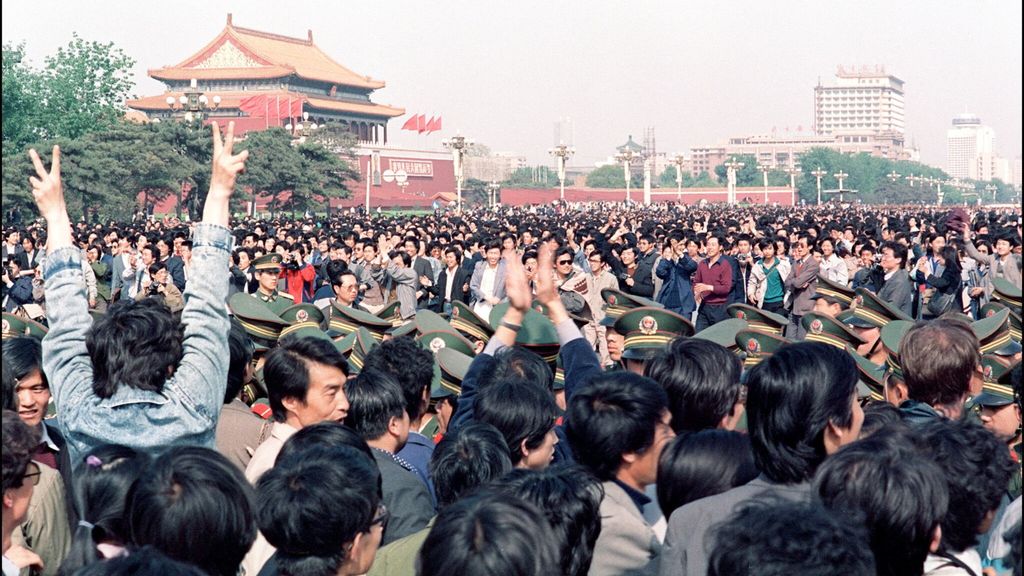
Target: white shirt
9, 568
483, 307
262, 460
448, 283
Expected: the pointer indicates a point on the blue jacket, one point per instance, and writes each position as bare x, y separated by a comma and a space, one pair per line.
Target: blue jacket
187, 409
677, 292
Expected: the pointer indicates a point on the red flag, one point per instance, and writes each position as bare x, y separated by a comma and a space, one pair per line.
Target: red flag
437, 124
432, 124
421, 123
410, 124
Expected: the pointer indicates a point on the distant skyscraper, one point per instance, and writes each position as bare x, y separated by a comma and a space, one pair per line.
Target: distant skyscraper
969, 149
863, 101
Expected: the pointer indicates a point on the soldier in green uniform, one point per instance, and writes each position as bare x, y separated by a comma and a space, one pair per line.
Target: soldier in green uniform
992, 308
267, 272
470, 325
648, 330
994, 336
827, 329
617, 303
14, 326
1000, 405
832, 298
758, 319
867, 315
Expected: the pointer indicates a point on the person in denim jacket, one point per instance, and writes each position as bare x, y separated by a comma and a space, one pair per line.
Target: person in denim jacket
137, 378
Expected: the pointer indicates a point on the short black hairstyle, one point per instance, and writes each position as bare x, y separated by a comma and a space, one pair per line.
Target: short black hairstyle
144, 560
523, 411
878, 415
902, 517
780, 538
614, 414
374, 399
489, 534
702, 380
977, 468
326, 433
792, 397
241, 348
899, 251
134, 344
195, 506
695, 465
518, 363
411, 365
570, 499
19, 443
23, 355
471, 457
312, 504
286, 369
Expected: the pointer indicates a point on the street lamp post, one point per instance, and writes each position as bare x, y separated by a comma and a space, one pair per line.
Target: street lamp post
818, 173
841, 176
792, 171
894, 176
626, 157
492, 193
765, 168
302, 128
562, 153
458, 145
679, 160
992, 188
730, 177
193, 105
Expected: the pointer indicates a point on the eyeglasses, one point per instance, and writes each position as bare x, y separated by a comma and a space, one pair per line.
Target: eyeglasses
564, 262
32, 474
381, 517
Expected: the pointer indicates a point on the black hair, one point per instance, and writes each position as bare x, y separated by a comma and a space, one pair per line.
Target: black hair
10, 384
22, 356
1012, 537
156, 267
406, 259
135, 344
702, 380
327, 433
335, 270
102, 479
312, 504
286, 369
145, 560
570, 499
899, 493
491, 244
374, 399
240, 347
485, 535
522, 410
612, 415
471, 457
518, 363
899, 251
699, 464
411, 365
977, 469
19, 444
792, 397
879, 415
779, 538
415, 241
196, 506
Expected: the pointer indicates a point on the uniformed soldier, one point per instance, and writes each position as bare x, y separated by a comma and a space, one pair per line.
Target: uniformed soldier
268, 271
392, 313
647, 331
896, 392
263, 328
866, 317
832, 298
302, 316
759, 320
471, 325
992, 308
993, 334
724, 333
14, 326
1008, 293
345, 320
827, 329
1000, 406
758, 345
616, 303
452, 367
437, 340
365, 341
537, 334
871, 386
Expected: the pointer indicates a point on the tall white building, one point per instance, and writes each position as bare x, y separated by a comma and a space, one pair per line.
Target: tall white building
862, 101
969, 149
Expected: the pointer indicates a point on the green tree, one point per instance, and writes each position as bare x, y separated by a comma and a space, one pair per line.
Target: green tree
273, 165
613, 176
532, 177
325, 176
748, 175
20, 86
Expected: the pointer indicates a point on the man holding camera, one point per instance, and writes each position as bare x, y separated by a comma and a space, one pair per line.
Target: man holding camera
298, 275
158, 285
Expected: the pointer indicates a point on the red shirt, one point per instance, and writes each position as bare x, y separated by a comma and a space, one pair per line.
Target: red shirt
300, 283
719, 276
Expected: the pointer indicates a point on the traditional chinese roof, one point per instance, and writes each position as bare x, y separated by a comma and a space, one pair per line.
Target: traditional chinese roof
241, 53
630, 145
232, 99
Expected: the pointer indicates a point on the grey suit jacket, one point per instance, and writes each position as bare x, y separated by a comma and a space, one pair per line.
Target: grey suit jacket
802, 284
627, 544
899, 291
406, 498
689, 538
116, 275
478, 277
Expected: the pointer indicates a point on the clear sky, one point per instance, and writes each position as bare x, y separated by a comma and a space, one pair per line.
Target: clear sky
502, 72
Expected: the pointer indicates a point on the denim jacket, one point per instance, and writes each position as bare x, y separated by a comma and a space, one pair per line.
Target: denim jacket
186, 411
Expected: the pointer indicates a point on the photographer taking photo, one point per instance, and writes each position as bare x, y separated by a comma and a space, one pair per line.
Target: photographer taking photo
158, 285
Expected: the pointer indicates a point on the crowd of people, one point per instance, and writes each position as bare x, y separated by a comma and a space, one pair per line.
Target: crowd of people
567, 389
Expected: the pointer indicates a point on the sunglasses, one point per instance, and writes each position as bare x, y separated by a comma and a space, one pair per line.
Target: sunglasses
564, 262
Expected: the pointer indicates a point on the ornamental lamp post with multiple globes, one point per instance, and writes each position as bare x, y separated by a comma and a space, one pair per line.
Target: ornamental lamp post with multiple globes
626, 157
679, 160
301, 129
562, 153
458, 144
730, 171
193, 105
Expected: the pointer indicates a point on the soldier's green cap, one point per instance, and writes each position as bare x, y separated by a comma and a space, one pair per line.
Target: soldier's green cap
345, 343
891, 336
537, 334
584, 317
346, 319
648, 330
365, 342
872, 376
994, 367
617, 303
759, 320
439, 339
470, 323
827, 329
453, 365
267, 262
724, 332
992, 308
870, 311
392, 314
14, 326
260, 323
559, 383
997, 389
301, 316
993, 334
834, 292
1007, 292
308, 331
758, 345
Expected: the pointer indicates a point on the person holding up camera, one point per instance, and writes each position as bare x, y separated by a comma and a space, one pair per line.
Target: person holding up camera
158, 285
298, 275
635, 275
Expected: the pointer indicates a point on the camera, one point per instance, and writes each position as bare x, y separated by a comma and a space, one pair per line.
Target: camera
290, 265
154, 289
624, 276
742, 258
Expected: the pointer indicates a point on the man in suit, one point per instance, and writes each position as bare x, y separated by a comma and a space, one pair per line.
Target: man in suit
488, 282
801, 284
123, 273
424, 271
897, 288
175, 265
618, 424
12, 244
452, 283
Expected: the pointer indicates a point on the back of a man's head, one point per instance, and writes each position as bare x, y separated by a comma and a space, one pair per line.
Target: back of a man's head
938, 359
702, 380
241, 349
135, 344
194, 505
521, 410
518, 363
489, 534
409, 364
19, 444
314, 503
977, 469
792, 397
468, 459
614, 414
374, 399
778, 538
898, 492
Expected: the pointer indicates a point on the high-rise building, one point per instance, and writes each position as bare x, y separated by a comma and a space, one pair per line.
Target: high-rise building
864, 101
969, 149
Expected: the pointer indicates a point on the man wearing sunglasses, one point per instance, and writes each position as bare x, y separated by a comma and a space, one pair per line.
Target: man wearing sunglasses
20, 476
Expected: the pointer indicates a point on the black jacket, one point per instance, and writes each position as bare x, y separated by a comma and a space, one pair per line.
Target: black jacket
461, 278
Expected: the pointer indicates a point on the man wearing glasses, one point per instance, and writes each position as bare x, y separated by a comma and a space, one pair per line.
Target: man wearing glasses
20, 476
598, 279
